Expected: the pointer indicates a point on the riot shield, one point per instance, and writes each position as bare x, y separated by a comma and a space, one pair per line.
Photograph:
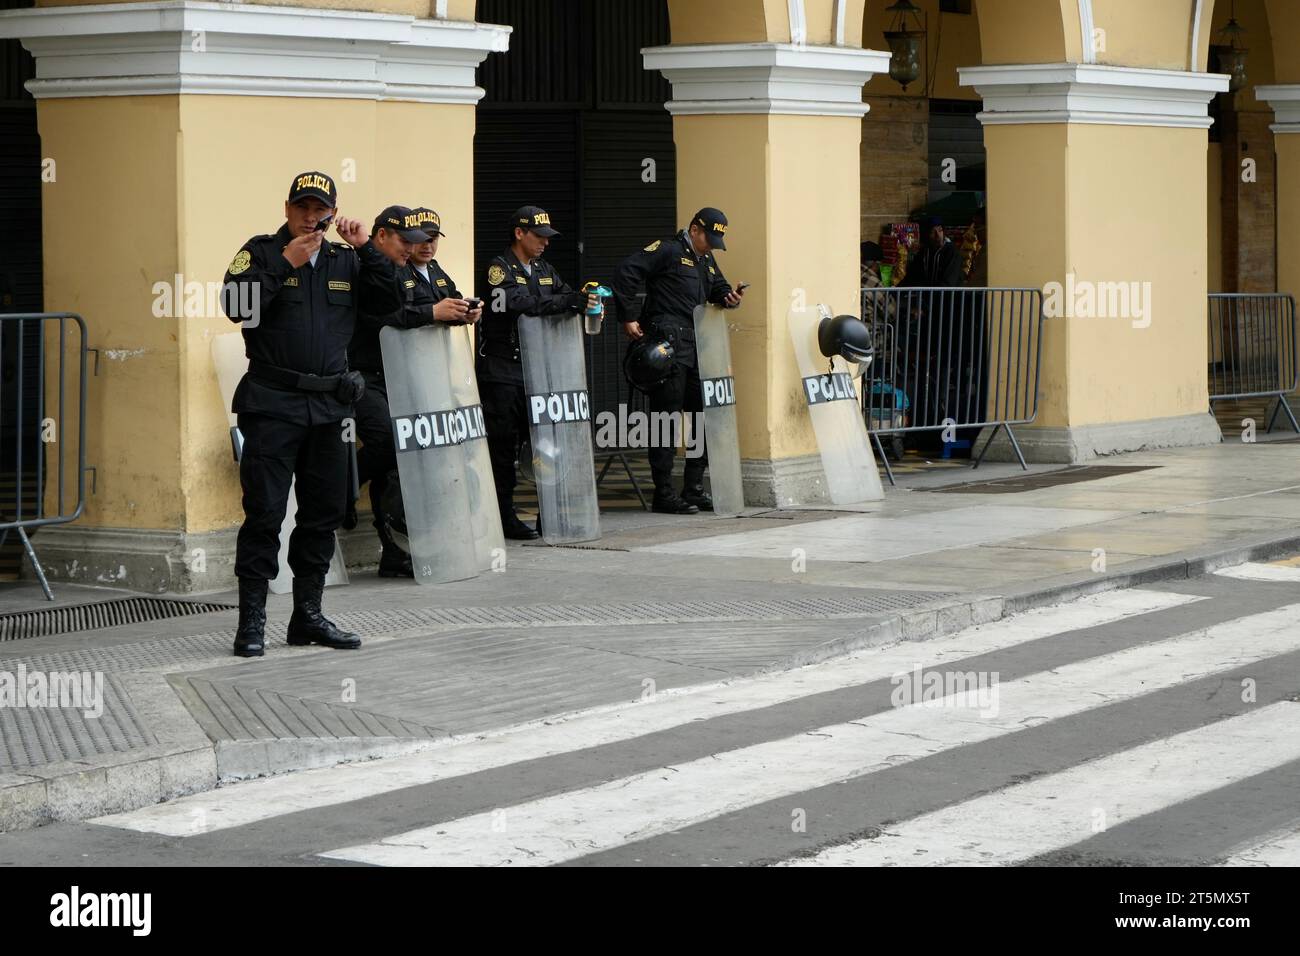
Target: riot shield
231, 363
429, 435
484, 513
836, 413
559, 425
721, 438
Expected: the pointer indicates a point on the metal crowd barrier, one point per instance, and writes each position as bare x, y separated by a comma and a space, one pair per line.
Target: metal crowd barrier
1253, 350
959, 359
29, 497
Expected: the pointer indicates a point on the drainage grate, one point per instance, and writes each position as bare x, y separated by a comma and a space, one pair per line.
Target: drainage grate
92, 617
1050, 479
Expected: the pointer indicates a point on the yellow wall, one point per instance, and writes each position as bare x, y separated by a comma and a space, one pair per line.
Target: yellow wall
729, 21
1288, 213
953, 40
1150, 33
134, 420
1030, 31
784, 235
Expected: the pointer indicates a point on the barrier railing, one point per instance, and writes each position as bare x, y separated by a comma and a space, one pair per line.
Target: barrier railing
1253, 349
33, 348
960, 359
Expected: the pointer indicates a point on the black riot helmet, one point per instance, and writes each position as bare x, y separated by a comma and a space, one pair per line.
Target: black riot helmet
647, 363
846, 336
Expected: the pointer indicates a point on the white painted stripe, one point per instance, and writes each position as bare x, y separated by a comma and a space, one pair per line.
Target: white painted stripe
571, 825
1283, 850
840, 12
1062, 809
263, 799
798, 23
1087, 29
1260, 572
1192, 59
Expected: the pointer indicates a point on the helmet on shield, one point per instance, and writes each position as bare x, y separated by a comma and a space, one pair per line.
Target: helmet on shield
846, 336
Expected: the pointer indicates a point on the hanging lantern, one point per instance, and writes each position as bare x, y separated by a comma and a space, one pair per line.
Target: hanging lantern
1232, 55
905, 37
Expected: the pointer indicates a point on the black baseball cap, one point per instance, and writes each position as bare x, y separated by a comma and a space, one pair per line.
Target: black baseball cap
313, 185
401, 220
714, 224
534, 220
428, 220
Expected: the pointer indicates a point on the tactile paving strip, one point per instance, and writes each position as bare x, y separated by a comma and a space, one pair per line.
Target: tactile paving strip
33, 736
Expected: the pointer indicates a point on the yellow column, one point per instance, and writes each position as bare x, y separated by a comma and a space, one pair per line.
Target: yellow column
174, 136
770, 134
1097, 195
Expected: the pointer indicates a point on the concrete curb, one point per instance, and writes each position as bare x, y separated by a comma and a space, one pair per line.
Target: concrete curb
185, 761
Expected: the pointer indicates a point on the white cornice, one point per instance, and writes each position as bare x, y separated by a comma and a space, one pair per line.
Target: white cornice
1285, 101
766, 78
182, 46
1083, 93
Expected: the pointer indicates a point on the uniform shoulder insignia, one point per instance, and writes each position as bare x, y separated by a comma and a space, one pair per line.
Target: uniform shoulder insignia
242, 261
654, 245
496, 274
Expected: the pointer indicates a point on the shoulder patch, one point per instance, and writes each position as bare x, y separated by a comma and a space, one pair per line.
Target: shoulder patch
410, 283
496, 274
520, 280
291, 281
243, 260
654, 245
687, 262
442, 283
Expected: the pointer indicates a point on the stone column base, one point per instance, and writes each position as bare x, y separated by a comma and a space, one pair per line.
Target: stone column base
1082, 443
143, 560
784, 482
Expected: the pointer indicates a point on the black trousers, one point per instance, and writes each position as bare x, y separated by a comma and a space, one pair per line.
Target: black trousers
679, 392
505, 412
377, 456
275, 452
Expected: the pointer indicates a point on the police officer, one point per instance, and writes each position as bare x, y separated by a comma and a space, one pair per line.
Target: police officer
298, 297
678, 275
397, 232
520, 282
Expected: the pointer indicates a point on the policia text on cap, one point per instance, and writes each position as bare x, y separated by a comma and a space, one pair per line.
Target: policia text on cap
678, 274
292, 401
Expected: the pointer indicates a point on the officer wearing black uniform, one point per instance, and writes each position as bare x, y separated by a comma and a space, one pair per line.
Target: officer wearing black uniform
297, 297
520, 282
678, 274
397, 233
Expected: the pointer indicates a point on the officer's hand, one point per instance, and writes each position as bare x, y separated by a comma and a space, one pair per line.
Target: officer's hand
733, 298
474, 315
353, 232
594, 303
633, 330
300, 250
450, 310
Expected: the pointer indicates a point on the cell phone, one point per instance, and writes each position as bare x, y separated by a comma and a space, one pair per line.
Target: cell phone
742, 287
474, 304
323, 224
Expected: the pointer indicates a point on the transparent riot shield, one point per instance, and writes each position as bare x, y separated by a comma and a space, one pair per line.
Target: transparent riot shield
559, 425
231, 363
836, 413
430, 432
484, 514
721, 438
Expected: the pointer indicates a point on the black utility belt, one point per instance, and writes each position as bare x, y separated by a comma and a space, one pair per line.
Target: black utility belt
346, 387
501, 350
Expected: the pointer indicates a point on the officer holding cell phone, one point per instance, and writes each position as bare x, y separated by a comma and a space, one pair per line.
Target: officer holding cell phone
678, 275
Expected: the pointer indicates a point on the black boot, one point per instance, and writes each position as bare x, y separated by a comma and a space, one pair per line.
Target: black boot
666, 502
515, 529
696, 495
308, 625
250, 637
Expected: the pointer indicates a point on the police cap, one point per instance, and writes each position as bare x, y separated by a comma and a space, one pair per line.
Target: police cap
714, 224
403, 221
534, 220
313, 186
428, 220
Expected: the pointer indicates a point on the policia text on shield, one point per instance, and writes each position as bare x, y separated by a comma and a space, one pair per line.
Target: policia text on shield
292, 401
678, 275
521, 286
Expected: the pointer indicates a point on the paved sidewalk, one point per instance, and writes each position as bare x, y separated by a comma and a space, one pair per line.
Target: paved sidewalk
660, 603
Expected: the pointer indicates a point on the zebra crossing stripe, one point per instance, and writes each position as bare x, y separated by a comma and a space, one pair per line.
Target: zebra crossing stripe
1276, 850
1261, 572
1054, 812
571, 825
264, 799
